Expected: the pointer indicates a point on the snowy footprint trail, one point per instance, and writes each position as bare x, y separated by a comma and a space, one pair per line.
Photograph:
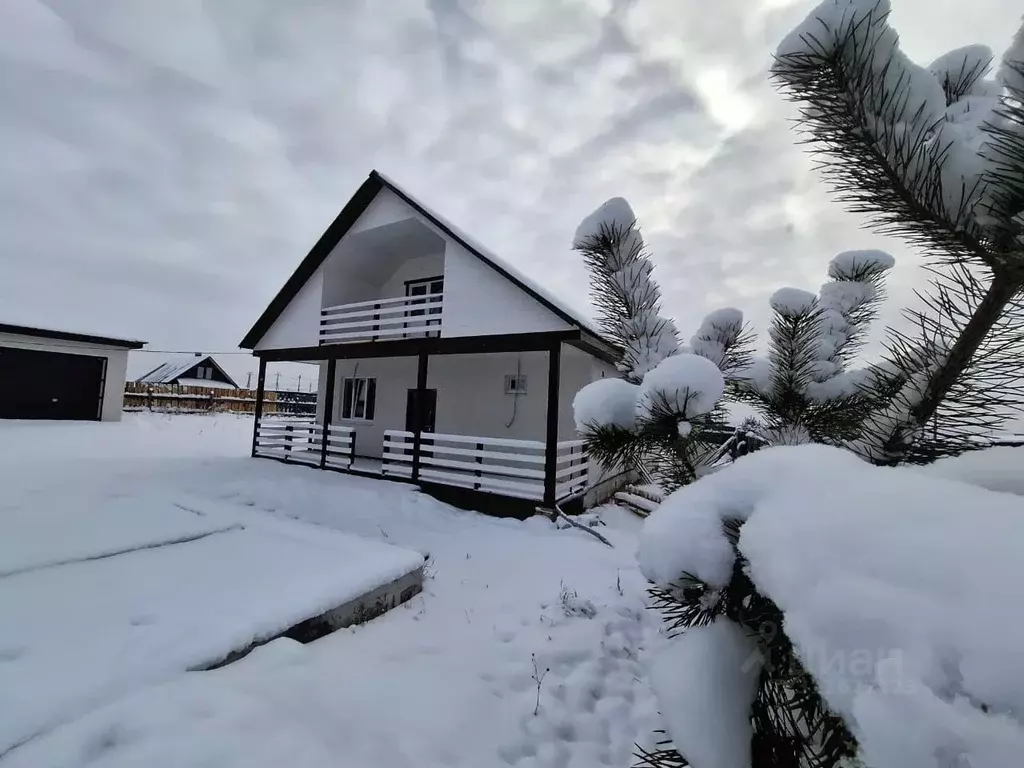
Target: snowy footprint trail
594, 699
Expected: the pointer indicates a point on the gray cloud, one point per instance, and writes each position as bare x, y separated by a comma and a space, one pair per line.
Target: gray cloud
166, 165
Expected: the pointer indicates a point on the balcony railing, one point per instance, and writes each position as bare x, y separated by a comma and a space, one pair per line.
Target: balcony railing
402, 317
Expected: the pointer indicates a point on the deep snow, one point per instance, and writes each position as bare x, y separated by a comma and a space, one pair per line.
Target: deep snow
445, 680
897, 596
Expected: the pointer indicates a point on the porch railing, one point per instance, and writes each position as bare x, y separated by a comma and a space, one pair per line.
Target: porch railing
491, 464
394, 318
572, 467
301, 441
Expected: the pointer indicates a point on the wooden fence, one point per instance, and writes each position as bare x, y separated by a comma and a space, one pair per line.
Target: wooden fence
172, 398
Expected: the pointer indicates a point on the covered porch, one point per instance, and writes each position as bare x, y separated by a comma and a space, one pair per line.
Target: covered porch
438, 412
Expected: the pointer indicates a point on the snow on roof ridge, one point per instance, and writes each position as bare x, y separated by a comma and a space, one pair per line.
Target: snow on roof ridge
172, 367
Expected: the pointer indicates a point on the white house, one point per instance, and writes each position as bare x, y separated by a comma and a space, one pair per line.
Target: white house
439, 364
54, 374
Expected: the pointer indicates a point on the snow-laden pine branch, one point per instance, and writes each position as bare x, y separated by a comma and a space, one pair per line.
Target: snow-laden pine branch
627, 298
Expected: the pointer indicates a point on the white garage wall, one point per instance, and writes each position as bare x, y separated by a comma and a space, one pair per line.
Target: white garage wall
117, 363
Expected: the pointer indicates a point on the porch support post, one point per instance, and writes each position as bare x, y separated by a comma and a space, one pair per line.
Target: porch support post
261, 380
551, 439
417, 435
332, 366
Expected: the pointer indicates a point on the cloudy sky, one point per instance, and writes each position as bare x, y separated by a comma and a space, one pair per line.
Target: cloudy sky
165, 165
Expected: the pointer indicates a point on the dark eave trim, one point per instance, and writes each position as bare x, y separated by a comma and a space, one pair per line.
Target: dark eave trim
596, 346
45, 333
460, 345
353, 209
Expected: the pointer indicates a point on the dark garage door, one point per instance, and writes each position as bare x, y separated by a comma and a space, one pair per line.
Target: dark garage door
49, 385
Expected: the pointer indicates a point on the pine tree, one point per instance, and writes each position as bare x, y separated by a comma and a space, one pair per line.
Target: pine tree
663, 418
934, 155
805, 390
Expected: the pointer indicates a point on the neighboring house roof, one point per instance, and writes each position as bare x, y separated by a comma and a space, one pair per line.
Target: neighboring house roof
172, 368
85, 338
355, 207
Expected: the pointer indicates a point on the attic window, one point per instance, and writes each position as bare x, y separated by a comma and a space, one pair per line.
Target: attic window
515, 384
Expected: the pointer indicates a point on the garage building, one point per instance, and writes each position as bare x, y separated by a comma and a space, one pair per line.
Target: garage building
51, 374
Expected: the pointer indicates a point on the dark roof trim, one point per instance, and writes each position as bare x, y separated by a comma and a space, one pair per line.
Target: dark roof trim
46, 333
342, 224
353, 209
220, 368
199, 359
598, 347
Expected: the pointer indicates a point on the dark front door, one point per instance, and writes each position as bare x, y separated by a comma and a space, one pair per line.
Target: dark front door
35, 384
429, 410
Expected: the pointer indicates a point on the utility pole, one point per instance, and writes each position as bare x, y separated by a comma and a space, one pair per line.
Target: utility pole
248, 380
277, 382
299, 388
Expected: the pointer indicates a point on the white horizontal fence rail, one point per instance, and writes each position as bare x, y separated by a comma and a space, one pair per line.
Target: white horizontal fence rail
394, 318
341, 446
572, 468
491, 464
301, 441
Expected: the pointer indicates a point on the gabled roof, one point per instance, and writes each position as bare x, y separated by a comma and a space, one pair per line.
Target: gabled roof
85, 338
173, 367
355, 207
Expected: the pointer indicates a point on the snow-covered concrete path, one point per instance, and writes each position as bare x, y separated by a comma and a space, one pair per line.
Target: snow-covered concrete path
446, 680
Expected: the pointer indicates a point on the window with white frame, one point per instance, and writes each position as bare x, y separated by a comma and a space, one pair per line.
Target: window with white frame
358, 398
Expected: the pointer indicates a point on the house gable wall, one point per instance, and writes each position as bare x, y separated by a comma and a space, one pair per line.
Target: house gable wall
299, 323
480, 301
215, 374
386, 208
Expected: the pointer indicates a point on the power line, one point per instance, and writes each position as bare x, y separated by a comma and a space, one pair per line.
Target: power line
189, 352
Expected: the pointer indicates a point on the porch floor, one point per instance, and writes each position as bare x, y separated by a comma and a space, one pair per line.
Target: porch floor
367, 464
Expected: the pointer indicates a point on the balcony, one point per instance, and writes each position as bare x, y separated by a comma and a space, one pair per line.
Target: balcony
401, 317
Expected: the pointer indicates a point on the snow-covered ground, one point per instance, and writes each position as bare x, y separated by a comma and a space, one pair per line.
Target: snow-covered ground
448, 679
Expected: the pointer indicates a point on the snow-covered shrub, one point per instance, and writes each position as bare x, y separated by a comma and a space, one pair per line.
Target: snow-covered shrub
813, 593
663, 418
574, 605
606, 403
683, 387
804, 389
